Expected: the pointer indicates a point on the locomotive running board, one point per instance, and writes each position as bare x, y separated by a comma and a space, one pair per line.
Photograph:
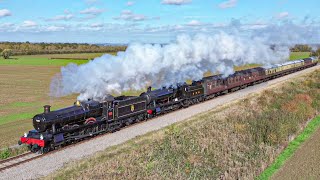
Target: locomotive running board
83, 136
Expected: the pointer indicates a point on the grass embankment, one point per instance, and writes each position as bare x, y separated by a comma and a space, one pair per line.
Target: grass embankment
10, 152
292, 147
237, 141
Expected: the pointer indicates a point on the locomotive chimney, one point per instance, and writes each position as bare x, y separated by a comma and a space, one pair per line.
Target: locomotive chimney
46, 109
149, 89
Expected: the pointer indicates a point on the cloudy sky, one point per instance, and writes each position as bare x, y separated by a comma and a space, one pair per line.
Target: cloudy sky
153, 21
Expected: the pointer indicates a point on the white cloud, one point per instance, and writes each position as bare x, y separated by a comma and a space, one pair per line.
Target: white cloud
130, 3
128, 15
29, 24
54, 28
92, 11
96, 25
176, 2
282, 15
178, 27
6, 25
228, 4
66, 11
194, 23
62, 17
4, 13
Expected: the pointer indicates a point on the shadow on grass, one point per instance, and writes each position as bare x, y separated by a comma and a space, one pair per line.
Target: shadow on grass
8, 59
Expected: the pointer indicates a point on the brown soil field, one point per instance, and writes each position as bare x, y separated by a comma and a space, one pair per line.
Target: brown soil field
305, 162
24, 90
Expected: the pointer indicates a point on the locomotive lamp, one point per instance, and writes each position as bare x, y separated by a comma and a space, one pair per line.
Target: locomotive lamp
77, 103
25, 134
41, 137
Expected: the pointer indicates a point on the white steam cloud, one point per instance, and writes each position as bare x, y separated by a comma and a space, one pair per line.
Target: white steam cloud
142, 65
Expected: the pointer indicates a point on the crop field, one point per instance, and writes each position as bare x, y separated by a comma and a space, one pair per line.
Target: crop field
25, 82
24, 90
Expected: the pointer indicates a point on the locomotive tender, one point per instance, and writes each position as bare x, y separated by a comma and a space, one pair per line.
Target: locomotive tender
54, 129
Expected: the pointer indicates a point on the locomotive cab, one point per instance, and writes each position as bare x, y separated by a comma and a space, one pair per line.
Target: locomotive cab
108, 108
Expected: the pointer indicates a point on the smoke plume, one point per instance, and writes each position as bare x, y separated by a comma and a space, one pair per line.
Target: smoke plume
188, 57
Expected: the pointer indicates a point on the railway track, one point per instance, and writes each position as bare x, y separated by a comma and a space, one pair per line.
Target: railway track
19, 159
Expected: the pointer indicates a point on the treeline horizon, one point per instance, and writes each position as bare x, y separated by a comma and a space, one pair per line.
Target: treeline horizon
35, 48
28, 48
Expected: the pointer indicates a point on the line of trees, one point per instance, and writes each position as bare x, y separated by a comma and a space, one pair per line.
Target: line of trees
27, 48
306, 48
316, 53
301, 48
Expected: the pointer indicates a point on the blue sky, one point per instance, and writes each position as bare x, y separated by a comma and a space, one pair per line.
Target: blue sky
153, 21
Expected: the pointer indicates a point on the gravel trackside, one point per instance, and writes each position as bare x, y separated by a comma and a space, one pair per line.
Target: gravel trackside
51, 162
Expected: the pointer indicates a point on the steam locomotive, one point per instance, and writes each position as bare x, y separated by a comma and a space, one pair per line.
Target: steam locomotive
53, 129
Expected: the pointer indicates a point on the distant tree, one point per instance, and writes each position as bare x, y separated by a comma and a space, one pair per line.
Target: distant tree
6, 53
301, 48
317, 52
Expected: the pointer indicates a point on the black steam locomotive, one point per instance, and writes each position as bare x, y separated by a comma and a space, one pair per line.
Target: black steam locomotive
89, 118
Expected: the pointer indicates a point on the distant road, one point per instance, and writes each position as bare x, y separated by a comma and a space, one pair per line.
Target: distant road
47, 164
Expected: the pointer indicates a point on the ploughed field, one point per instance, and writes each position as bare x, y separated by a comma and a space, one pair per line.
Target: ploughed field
24, 88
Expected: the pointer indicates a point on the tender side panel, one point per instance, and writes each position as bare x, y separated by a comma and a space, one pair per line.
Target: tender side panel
131, 109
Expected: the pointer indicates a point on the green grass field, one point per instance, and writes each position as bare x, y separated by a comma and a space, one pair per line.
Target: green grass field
299, 55
38, 61
48, 59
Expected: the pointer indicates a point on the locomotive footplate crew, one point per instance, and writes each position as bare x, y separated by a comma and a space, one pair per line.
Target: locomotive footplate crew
53, 129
